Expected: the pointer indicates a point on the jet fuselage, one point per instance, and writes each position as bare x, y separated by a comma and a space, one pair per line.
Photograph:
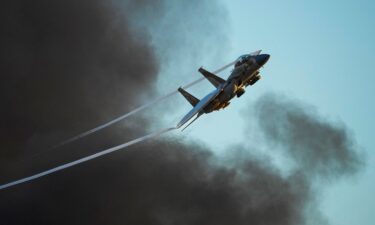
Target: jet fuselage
244, 73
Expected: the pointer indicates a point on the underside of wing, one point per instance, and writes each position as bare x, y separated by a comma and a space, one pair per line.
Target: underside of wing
198, 109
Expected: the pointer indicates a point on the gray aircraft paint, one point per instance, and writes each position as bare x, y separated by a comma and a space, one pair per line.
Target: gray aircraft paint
244, 73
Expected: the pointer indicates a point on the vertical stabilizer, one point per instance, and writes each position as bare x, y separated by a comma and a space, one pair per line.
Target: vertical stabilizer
193, 100
212, 78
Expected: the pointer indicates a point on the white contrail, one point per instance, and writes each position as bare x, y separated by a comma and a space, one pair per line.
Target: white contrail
84, 134
87, 158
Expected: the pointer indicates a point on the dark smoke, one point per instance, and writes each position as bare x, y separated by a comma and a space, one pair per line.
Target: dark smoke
63, 61
69, 65
321, 147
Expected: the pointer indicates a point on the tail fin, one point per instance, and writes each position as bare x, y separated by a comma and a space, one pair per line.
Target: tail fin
193, 100
215, 80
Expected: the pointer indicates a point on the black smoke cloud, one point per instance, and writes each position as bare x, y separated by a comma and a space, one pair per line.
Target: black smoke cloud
70, 65
321, 147
66, 65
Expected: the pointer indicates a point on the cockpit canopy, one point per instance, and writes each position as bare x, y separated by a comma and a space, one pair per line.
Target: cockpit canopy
246, 58
242, 59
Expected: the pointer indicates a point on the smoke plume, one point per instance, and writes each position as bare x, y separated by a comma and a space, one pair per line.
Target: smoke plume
69, 65
321, 147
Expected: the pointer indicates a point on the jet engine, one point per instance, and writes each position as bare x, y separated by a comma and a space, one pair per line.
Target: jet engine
240, 92
231, 89
223, 105
254, 80
220, 105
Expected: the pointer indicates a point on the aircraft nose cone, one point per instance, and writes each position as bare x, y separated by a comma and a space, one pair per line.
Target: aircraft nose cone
262, 59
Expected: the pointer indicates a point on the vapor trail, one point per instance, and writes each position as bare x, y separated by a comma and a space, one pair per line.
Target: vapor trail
84, 134
87, 158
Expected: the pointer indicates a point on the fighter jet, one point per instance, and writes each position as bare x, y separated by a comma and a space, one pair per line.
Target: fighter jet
245, 73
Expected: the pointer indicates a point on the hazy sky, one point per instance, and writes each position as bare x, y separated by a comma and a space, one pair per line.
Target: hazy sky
321, 54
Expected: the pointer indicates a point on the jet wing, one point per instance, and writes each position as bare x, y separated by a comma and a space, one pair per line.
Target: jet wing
199, 107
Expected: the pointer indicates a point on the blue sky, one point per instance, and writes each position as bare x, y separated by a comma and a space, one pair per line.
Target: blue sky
321, 54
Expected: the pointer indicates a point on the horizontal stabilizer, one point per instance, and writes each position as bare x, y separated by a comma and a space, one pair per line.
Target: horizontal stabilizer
193, 100
212, 78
